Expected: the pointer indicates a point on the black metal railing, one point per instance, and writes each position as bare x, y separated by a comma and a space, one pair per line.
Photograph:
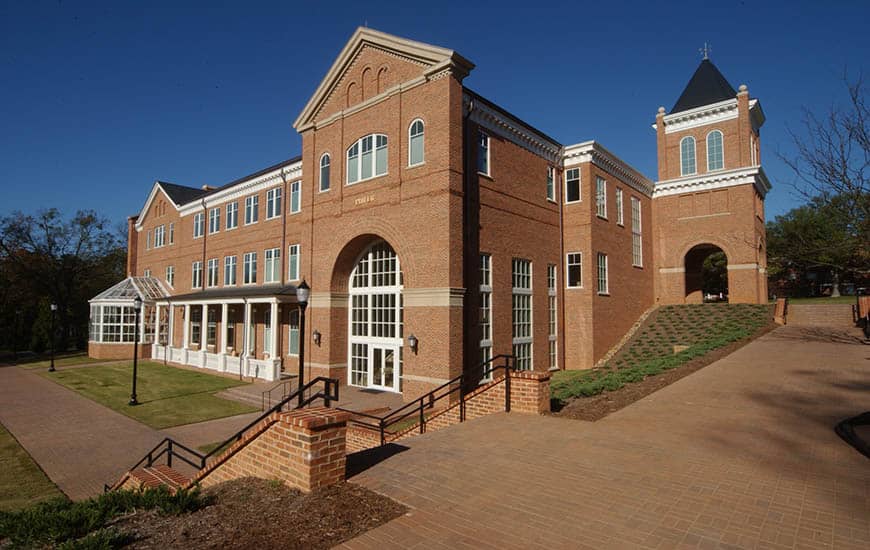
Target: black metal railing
415, 411
266, 396
171, 449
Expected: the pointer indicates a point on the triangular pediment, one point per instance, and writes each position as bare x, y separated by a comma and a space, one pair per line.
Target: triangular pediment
431, 60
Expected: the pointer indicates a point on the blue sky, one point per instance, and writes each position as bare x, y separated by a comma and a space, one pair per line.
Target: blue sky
99, 99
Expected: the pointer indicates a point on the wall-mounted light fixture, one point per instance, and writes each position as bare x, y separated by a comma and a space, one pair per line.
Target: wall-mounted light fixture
412, 342
316, 337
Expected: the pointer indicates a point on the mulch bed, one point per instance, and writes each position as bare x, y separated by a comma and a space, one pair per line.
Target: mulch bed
255, 513
598, 406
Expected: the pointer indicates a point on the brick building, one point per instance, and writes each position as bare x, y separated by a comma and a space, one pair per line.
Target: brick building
419, 208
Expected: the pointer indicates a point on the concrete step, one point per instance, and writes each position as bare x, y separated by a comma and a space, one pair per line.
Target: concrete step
820, 315
242, 396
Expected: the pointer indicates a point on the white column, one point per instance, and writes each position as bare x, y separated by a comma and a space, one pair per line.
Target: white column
203, 330
247, 338
185, 329
170, 332
157, 324
224, 320
273, 345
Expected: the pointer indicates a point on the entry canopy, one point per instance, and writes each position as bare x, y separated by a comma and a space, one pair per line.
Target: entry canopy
148, 289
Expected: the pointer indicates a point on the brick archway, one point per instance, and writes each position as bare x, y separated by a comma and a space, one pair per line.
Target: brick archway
701, 281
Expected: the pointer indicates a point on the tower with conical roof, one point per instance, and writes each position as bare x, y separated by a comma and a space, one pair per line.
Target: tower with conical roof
709, 197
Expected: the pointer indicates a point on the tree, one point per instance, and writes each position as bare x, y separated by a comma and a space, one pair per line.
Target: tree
66, 262
832, 160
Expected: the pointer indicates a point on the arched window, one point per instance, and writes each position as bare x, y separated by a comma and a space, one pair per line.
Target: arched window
367, 158
687, 156
415, 143
715, 159
324, 172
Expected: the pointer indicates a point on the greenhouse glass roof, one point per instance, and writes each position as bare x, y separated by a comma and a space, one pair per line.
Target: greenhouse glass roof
147, 288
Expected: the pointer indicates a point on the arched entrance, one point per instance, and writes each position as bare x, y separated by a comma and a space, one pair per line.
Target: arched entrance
706, 272
375, 319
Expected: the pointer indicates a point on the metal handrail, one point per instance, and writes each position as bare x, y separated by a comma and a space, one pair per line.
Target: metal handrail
283, 385
428, 400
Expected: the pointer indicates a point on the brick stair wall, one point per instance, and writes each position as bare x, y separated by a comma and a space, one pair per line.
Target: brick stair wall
820, 315
152, 476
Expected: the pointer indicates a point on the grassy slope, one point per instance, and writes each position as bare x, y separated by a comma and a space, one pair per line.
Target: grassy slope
22, 483
168, 396
702, 328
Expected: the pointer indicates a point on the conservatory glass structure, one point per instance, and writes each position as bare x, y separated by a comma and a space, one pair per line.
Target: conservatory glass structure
113, 314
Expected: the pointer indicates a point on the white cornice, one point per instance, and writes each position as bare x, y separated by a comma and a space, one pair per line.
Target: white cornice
717, 180
756, 114
151, 196
511, 128
435, 59
700, 116
291, 172
591, 151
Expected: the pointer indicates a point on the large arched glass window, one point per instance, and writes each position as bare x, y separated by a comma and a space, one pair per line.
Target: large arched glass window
375, 331
367, 158
415, 143
715, 160
324, 172
687, 156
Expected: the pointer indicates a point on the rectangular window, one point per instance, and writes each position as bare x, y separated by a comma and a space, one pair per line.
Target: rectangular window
636, 239
159, 236
572, 185
252, 209
380, 155
273, 265
574, 270
367, 152
293, 340
486, 312
147, 273
198, 225
619, 214
293, 262
229, 271
273, 203
232, 215
214, 220
483, 153
522, 313
552, 310
170, 275
601, 197
295, 197
195, 325
602, 274
353, 164
211, 328
197, 275
250, 268
148, 240
171, 233
551, 185
212, 279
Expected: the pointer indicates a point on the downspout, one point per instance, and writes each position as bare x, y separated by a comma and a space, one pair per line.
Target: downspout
245, 330
204, 238
471, 249
561, 263
276, 332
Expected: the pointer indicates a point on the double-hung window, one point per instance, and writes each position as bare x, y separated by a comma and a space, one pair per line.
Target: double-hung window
159, 236
601, 197
602, 274
232, 215
551, 184
486, 313
715, 160
687, 156
252, 209
636, 239
197, 275
172, 233
324, 172
250, 268
214, 220
620, 217
212, 278
170, 275
198, 225
551, 308
572, 185
367, 158
522, 313
574, 270
293, 262
483, 153
273, 265
415, 143
295, 197
293, 336
148, 240
229, 271
273, 203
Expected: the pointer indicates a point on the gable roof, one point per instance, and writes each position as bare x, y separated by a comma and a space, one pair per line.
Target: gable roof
434, 58
706, 86
180, 194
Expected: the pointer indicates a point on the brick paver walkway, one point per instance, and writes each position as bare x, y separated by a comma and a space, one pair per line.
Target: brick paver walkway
741, 454
80, 444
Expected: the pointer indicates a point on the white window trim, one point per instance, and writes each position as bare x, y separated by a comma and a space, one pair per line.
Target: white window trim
374, 175
235, 217
551, 293
527, 292
214, 215
289, 331
320, 188
551, 184
298, 185
298, 255
198, 222
694, 156
620, 207
707, 147
170, 276
606, 291
487, 289
422, 162
193, 271
235, 265
272, 266
244, 268
579, 186
567, 265
637, 231
257, 209
276, 209
603, 195
217, 274
488, 172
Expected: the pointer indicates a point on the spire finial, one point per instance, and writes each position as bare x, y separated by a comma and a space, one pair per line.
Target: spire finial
705, 51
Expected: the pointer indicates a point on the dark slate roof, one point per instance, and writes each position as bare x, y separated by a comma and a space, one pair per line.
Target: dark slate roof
706, 86
243, 292
507, 113
180, 194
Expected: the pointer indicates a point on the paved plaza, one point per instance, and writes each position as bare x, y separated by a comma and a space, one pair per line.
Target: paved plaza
740, 454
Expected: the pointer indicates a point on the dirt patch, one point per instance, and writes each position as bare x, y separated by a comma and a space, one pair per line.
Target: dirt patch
255, 513
598, 406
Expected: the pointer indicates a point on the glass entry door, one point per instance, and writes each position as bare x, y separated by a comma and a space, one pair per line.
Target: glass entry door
384, 362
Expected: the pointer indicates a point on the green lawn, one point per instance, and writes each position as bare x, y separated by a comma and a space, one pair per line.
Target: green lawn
41, 362
168, 396
22, 483
823, 300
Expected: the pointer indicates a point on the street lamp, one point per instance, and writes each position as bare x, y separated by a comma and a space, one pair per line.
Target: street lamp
302, 293
137, 305
51, 336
